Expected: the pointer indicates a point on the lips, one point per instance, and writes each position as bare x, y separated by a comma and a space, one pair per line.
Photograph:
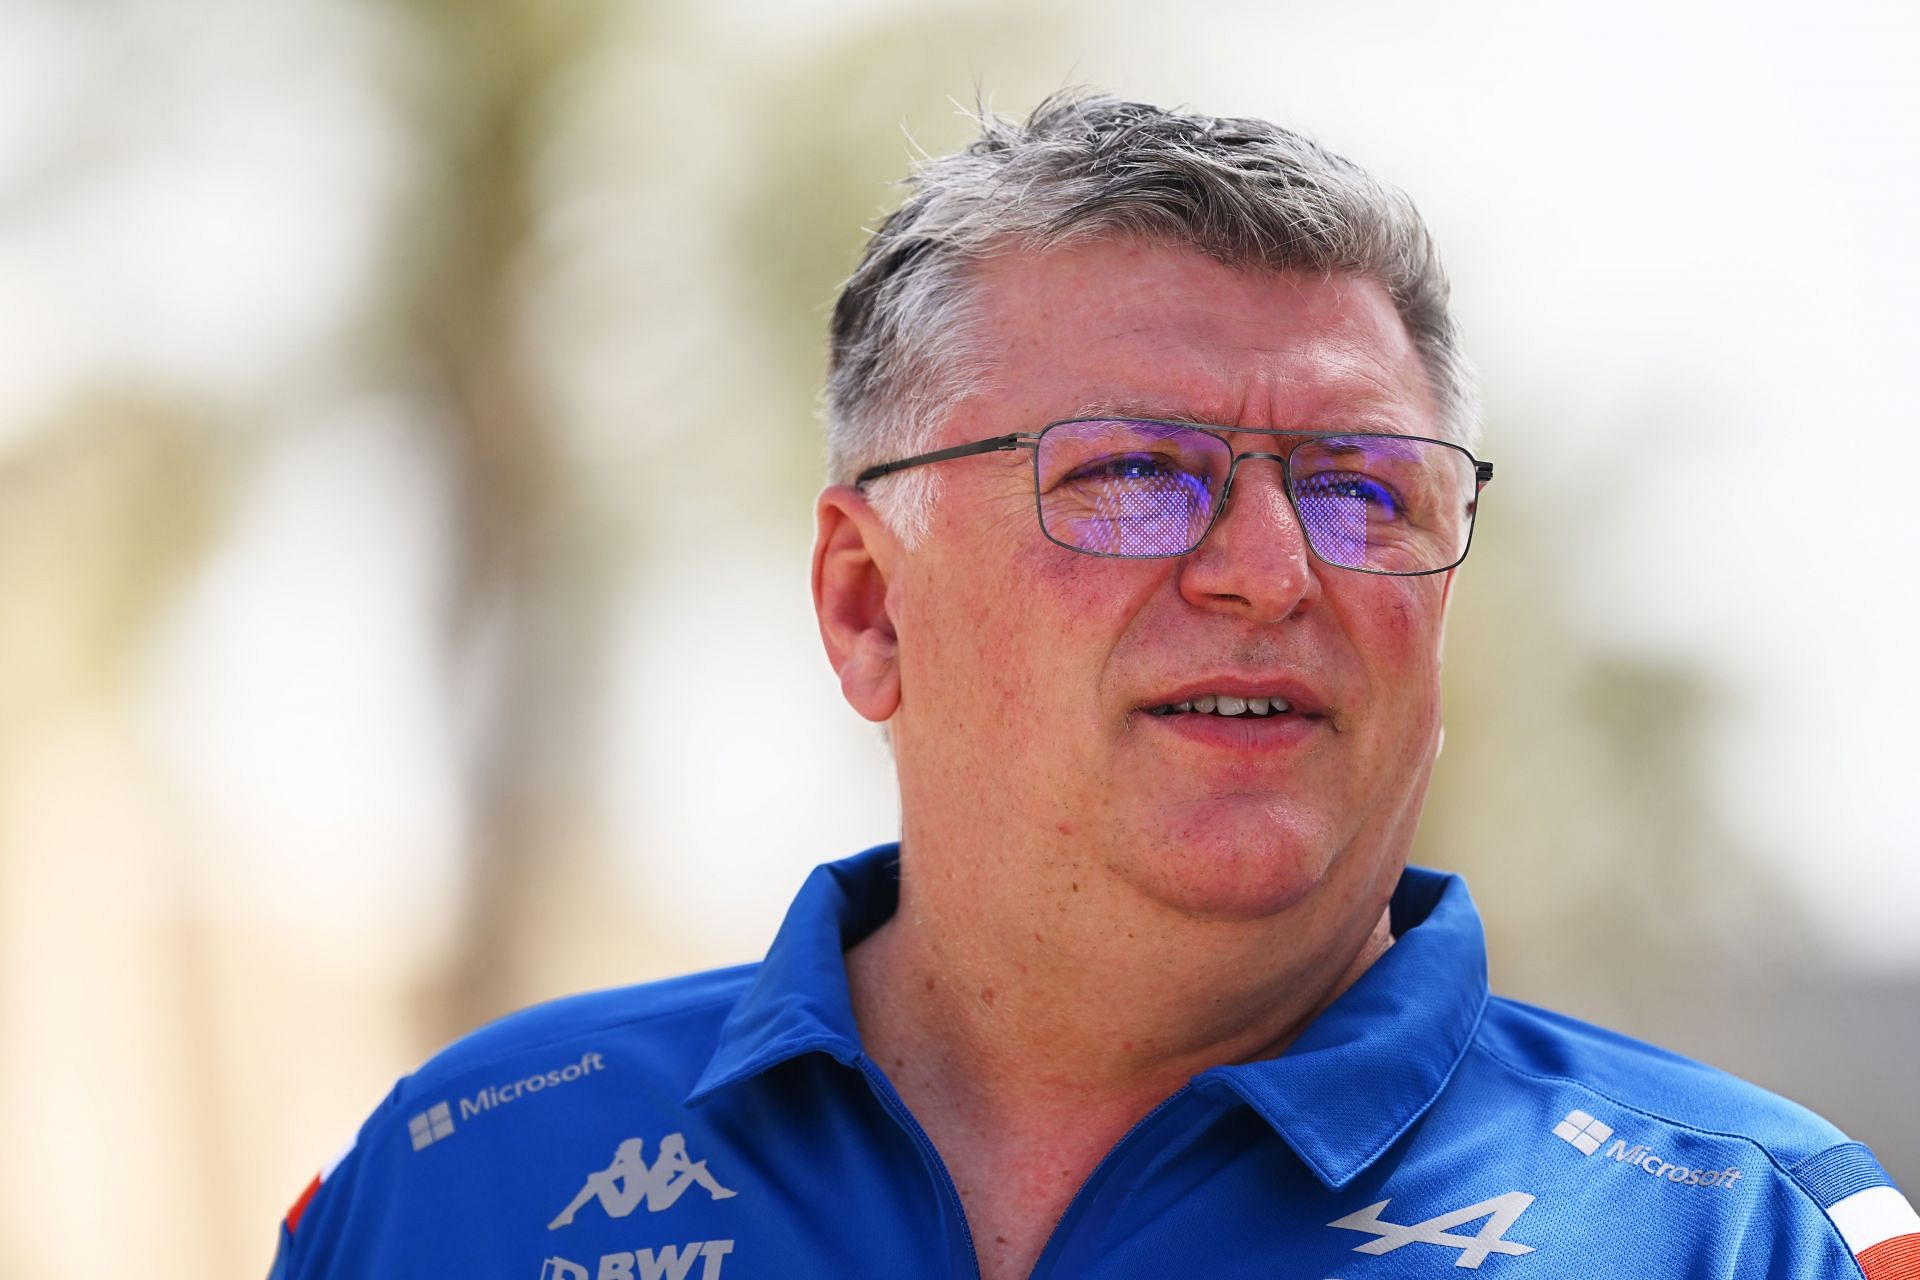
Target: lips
1239, 698
1225, 705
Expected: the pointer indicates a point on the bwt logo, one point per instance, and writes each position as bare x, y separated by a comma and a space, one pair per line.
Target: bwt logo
668, 1262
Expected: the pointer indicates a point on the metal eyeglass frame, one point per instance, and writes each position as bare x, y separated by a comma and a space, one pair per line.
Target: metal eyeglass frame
1482, 474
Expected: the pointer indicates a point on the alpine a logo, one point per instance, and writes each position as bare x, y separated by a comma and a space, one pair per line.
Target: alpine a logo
1585, 1134
630, 1181
1501, 1213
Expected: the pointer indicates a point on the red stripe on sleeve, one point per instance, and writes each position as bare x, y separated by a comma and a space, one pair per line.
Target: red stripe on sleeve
1895, 1259
306, 1198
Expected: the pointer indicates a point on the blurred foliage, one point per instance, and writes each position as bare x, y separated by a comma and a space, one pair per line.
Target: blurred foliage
1573, 788
529, 580
832, 137
102, 514
504, 99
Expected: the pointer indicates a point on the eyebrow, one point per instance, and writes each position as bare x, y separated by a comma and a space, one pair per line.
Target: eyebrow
1355, 418
1157, 412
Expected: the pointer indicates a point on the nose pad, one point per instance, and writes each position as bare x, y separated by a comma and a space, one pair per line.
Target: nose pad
1233, 474
1265, 568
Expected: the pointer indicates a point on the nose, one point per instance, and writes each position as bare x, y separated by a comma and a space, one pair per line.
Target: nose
1254, 561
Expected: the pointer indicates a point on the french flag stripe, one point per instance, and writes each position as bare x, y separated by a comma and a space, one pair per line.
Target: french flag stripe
300, 1206
1895, 1259
1882, 1231
313, 1188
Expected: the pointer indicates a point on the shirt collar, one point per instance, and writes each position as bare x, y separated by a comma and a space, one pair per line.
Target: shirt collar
799, 1001
1371, 1064
1344, 1091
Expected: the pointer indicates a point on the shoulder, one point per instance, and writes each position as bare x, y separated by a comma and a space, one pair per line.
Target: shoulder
1743, 1173
665, 1022
661, 1032
505, 1096
1649, 1080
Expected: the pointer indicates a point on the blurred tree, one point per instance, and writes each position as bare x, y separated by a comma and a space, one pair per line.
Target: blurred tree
1574, 788
835, 134
532, 141
104, 511
101, 513
531, 576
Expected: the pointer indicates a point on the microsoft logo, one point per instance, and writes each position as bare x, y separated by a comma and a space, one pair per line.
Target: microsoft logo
431, 1125
1583, 1131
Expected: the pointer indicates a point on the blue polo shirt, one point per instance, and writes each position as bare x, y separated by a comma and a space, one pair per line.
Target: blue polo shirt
728, 1126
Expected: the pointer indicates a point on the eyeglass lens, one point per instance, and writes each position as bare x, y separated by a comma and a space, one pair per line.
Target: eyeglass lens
1383, 503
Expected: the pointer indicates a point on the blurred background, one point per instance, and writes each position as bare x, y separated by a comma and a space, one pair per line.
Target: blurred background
407, 442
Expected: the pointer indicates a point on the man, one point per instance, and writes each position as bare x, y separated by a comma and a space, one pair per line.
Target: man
1151, 444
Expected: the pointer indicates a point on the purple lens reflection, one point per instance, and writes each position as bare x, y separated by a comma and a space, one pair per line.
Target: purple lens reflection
1335, 522
1120, 488
1158, 519
1384, 503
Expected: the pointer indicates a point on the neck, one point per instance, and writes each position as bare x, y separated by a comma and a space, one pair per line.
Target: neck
1003, 1006
1027, 1030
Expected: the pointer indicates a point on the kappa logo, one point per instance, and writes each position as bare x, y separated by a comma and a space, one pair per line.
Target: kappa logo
1501, 1213
629, 1181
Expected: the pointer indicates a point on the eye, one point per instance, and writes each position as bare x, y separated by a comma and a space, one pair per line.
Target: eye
1381, 502
1126, 467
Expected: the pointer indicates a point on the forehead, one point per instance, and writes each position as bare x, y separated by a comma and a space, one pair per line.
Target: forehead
1141, 330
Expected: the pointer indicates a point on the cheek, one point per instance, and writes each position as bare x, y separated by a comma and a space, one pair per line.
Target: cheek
978, 645
1398, 635
1010, 666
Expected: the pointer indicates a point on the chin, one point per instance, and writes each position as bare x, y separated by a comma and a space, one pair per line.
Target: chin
1226, 871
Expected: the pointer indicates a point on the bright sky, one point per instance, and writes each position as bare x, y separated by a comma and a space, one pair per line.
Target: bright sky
1682, 241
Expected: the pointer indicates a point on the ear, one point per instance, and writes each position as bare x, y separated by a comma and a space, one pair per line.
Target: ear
854, 556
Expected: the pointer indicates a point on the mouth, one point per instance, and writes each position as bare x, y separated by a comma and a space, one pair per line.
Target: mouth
1240, 716
1225, 704
1241, 698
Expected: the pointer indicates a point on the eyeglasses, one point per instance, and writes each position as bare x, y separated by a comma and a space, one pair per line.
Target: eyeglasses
1140, 489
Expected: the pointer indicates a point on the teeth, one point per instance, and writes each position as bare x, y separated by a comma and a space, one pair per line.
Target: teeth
1225, 704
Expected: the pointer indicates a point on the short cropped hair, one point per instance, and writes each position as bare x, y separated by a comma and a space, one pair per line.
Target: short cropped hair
1243, 192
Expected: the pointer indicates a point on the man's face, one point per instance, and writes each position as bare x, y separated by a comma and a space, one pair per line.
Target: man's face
1028, 673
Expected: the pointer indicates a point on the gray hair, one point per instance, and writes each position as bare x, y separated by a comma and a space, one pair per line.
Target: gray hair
1244, 192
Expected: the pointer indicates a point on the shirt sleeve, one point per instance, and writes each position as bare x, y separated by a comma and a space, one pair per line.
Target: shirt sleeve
290, 1252
1872, 1216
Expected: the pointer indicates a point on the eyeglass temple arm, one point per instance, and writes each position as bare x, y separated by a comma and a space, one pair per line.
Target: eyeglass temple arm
999, 444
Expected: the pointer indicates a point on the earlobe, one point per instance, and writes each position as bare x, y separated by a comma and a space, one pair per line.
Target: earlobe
853, 556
